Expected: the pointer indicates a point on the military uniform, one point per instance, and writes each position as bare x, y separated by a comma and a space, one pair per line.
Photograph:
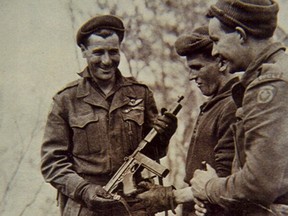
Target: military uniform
212, 140
259, 185
88, 134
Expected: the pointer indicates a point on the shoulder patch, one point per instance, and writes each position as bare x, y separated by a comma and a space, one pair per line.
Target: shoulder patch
270, 76
268, 73
69, 85
266, 94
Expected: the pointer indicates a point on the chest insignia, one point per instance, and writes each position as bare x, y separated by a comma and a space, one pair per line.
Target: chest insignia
134, 102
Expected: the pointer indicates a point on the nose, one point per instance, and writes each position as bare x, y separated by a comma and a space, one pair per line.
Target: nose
193, 74
106, 58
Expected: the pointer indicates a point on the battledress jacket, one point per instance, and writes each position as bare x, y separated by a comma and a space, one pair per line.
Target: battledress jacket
88, 134
212, 141
259, 183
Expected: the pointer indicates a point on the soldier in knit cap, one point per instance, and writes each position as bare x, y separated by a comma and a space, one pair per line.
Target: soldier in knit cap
242, 32
97, 121
212, 141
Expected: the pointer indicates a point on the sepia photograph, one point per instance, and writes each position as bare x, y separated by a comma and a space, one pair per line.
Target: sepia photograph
144, 108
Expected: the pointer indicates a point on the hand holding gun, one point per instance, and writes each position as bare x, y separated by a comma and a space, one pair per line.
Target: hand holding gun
136, 160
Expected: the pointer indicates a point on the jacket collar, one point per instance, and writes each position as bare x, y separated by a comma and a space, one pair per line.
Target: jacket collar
253, 71
90, 95
223, 93
263, 57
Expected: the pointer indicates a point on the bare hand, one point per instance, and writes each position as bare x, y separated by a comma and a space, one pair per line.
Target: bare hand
200, 209
199, 181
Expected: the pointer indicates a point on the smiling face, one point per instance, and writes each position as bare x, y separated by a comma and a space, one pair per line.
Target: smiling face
204, 70
229, 46
103, 57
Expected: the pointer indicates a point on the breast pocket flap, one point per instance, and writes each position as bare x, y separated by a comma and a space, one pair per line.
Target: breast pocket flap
81, 121
137, 117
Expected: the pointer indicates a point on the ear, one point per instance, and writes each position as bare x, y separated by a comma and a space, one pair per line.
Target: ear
84, 51
242, 33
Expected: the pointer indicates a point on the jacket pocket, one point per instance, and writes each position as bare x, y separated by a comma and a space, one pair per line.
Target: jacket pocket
83, 127
134, 116
133, 120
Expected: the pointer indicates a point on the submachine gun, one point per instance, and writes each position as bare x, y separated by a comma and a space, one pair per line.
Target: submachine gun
136, 160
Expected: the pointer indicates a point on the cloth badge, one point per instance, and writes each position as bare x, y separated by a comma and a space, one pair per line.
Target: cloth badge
134, 102
266, 94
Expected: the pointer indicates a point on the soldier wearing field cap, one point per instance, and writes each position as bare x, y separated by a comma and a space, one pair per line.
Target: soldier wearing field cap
242, 32
212, 141
97, 121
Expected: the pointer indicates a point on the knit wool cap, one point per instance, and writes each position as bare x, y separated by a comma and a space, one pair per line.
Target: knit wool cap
256, 17
194, 43
100, 22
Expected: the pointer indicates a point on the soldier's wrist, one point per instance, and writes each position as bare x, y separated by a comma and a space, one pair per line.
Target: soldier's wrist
207, 190
183, 195
80, 189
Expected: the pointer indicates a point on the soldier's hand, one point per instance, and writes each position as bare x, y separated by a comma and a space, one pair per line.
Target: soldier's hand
95, 197
156, 198
199, 181
166, 124
200, 208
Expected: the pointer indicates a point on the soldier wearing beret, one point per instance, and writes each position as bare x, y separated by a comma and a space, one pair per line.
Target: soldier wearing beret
242, 32
95, 122
212, 141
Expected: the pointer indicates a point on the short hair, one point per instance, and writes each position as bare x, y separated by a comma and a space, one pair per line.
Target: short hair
104, 33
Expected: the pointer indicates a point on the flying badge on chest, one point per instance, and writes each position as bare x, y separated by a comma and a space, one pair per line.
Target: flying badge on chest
266, 94
134, 104
134, 101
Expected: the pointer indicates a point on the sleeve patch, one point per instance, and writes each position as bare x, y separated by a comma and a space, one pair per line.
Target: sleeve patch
270, 76
266, 94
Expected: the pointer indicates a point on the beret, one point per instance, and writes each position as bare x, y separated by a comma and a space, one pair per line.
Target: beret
100, 22
256, 17
194, 43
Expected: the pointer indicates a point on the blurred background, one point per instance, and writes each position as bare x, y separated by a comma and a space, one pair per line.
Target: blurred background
39, 56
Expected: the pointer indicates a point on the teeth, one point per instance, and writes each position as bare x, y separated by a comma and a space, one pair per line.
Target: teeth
223, 64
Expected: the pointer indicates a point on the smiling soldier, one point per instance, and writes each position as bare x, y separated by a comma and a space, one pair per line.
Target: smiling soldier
96, 122
242, 33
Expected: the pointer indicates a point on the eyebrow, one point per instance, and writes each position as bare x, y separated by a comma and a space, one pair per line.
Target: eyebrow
100, 48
